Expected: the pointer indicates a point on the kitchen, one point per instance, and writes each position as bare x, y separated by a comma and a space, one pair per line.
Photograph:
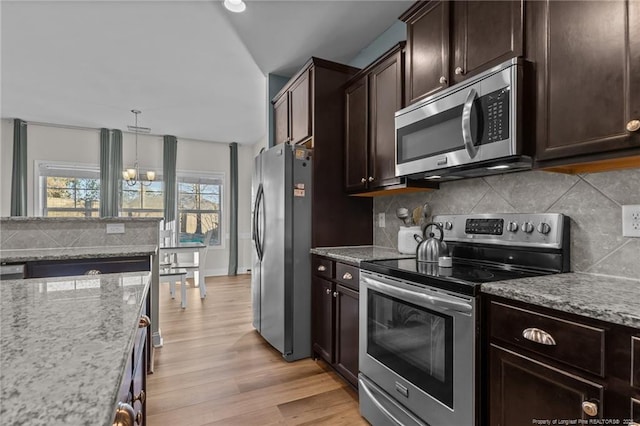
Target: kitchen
591, 200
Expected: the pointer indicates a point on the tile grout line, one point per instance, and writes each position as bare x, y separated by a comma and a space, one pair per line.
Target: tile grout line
563, 194
608, 255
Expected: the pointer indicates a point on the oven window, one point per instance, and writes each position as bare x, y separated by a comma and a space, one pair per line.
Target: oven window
414, 342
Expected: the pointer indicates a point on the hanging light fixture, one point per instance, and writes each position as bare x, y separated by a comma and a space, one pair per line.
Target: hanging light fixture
132, 175
236, 6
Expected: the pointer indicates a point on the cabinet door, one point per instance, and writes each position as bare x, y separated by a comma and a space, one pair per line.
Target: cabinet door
281, 119
427, 50
347, 333
587, 56
386, 99
322, 319
522, 390
356, 138
300, 111
486, 33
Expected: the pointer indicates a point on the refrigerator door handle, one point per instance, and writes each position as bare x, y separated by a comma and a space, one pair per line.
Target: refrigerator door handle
256, 215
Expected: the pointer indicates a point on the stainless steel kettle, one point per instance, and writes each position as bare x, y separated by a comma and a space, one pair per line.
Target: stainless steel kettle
431, 248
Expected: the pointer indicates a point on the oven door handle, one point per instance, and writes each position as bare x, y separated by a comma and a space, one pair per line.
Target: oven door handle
412, 296
471, 148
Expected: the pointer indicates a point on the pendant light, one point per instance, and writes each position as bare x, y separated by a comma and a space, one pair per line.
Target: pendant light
132, 175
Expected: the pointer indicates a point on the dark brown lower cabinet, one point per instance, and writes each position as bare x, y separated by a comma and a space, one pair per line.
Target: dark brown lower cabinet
335, 320
524, 391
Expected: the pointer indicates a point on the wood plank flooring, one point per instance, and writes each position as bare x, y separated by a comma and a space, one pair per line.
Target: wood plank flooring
214, 368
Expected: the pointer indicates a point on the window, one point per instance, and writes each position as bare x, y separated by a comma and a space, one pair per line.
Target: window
69, 190
143, 200
200, 208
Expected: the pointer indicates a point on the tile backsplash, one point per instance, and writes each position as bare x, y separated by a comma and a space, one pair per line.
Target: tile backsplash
592, 201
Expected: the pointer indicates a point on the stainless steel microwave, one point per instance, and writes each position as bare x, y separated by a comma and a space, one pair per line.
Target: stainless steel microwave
470, 129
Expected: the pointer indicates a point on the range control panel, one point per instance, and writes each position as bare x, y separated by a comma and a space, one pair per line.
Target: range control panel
522, 229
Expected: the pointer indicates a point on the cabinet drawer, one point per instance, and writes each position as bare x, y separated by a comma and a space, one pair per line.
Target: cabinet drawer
323, 267
571, 343
348, 275
65, 268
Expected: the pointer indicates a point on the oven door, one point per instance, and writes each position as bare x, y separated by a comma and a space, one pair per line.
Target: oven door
468, 123
418, 345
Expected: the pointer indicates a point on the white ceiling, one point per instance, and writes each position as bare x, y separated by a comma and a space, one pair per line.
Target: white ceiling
194, 69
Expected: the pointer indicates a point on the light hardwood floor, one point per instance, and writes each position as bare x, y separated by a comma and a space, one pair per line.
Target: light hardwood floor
214, 369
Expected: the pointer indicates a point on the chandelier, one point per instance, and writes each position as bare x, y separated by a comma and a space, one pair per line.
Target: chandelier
132, 175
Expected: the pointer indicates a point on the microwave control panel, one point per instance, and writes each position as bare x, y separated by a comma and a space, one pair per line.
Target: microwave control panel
495, 109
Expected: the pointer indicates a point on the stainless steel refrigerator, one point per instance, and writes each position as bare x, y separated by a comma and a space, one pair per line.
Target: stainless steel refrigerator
281, 234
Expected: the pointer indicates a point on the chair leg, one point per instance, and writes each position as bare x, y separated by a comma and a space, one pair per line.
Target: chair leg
203, 290
183, 291
172, 287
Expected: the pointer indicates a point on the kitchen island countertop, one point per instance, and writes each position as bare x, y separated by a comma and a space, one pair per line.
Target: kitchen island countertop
600, 297
357, 254
65, 343
64, 253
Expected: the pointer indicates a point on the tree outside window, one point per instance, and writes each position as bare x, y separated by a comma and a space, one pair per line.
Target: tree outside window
143, 200
199, 210
72, 196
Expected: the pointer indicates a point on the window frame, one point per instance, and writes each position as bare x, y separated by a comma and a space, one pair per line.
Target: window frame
121, 210
71, 170
191, 176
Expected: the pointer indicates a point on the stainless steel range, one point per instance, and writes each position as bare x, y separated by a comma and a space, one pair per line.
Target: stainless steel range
420, 322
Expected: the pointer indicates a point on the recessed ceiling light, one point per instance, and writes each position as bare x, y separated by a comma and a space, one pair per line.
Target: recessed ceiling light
433, 177
236, 6
499, 167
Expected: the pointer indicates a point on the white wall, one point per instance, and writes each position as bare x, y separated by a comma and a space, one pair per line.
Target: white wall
55, 144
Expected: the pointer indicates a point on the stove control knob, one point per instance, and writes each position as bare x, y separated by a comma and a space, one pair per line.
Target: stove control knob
544, 228
512, 226
528, 227
448, 226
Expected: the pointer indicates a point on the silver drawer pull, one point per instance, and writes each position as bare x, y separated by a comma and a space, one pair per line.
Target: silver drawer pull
322, 268
93, 272
144, 322
347, 276
538, 336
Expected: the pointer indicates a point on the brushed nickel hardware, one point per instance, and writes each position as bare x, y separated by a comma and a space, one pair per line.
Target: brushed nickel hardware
93, 272
590, 408
370, 178
347, 276
124, 415
144, 322
633, 125
328, 291
443, 80
459, 71
538, 336
142, 397
335, 294
363, 180
322, 268
139, 418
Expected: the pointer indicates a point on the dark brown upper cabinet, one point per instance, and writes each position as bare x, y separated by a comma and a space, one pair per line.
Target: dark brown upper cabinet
587, 79
292, 111
372, 99
448, 42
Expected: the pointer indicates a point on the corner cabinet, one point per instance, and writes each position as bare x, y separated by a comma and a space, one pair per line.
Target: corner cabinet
292, 111
371, 100
587, 56
335, 320
545, 364
448, 42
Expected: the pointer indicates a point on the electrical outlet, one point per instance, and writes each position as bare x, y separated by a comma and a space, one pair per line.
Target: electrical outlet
115, 228
631, 220
381, 218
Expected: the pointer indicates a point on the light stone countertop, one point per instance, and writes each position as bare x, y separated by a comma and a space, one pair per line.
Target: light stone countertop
357, 254
599, 297
65, 343
64, 253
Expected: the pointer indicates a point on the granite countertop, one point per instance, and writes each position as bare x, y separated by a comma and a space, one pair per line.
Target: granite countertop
357, 254
65, 343
63, 253
599, 297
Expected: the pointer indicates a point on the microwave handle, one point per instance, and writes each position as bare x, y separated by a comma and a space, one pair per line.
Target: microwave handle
469, 145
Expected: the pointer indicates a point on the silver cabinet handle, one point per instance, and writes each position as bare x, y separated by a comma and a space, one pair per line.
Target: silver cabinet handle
459, 71
328, 291
443, 80
142, 397
125, 416
139, 418
370, 178
322, 268
335, 294
363, 180
538, 336
145, 321
347, 276
590, 408
472, 150
93, 272
633, 126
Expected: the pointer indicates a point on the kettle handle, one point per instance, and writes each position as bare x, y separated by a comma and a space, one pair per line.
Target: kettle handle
437, 225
